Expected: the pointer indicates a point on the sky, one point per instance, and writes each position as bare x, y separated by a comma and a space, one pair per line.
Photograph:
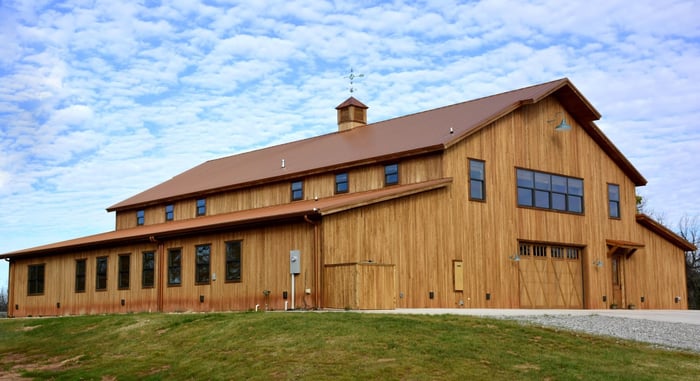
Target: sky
100, 100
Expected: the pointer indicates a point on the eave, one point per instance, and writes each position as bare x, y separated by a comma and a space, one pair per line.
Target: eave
665, 232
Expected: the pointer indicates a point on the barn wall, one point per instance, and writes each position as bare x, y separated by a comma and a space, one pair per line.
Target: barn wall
265, 266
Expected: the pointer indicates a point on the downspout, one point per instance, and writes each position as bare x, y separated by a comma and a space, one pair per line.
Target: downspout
160, 265
317, 262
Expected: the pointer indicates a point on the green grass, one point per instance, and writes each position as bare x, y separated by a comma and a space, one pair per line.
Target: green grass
315, 346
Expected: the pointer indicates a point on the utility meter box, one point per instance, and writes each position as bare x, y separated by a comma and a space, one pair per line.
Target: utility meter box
294, 262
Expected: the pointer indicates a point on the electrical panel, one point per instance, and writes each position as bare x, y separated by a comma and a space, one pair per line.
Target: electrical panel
295, 262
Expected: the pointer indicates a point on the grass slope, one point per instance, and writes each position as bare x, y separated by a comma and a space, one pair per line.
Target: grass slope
343, 345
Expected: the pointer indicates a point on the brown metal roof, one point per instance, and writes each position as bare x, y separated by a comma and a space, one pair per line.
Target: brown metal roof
284, 212
417, 133
665, 232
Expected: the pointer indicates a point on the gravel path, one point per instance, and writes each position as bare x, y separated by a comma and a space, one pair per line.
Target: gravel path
663, 334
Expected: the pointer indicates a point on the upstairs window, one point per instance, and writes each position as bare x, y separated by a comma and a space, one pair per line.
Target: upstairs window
80, 275
546, 191
477, 188
202, 264
233, 261
169, 212
341, 183
201, 207
391, 174
148, 269
101, 272
297, 189
174, 267
124, 271
35, 279
614, 200
140, 217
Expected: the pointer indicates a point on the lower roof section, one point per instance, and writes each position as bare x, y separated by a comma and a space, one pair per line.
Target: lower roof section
244, 218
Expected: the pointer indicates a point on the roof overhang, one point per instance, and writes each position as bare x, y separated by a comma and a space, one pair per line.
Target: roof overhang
294, 211
665, 232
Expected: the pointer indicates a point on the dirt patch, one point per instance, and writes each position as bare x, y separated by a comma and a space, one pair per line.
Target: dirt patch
22, 363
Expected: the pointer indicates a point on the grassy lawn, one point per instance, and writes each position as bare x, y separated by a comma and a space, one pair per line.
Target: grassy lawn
313, 346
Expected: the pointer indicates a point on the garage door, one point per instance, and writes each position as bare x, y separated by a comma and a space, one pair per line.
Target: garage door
550, 276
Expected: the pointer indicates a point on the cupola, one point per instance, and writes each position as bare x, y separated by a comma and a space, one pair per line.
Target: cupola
351, 113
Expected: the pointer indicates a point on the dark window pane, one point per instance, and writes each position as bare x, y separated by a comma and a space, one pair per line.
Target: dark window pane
525, 179
101, 279
297, 190
614, 209
613, 192
575, 187
524, 197
174, 267
233, 261
124, 273
542, 181
169, 212
575, 204
201, 207
341, 183
542, 199
476, 190
476, 170
202, 255
391, 174
558, 184
558, 201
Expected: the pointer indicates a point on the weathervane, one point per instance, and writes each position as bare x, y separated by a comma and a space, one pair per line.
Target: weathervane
352, 77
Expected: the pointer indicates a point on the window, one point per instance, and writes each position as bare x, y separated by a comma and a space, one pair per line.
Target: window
124, 267
546, 191
341, 183
174, 267
35, 284
233, 261
148, 269
542, 251
297, 190
169, 212
202, 259
391, 174
477, 190
140, 217
201, 207
80, 275
101, 279
614, 200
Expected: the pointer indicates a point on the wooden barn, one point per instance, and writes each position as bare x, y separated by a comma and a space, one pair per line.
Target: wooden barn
516, 200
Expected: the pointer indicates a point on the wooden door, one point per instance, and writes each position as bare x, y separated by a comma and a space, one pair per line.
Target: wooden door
617, 272
550, 277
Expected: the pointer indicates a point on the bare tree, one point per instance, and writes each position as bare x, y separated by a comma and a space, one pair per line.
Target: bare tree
3, 299
689, 228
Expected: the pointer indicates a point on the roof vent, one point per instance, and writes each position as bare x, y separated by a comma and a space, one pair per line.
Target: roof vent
351, 113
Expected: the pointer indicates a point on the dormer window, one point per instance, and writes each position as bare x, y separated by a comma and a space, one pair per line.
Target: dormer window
140, 217
391, 174
297, 190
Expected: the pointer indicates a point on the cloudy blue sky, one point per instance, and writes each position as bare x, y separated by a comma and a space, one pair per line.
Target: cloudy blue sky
102, 99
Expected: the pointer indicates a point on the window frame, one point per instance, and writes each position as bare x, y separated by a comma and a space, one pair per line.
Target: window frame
174, 267
342, 186
296, 190
544, 191
36, 279
148, 269
124, 275
391, 174
101, 277
615, 202
80, 276
481, 183
140, 217
202, 266
201, 207
169, 212
232, 263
